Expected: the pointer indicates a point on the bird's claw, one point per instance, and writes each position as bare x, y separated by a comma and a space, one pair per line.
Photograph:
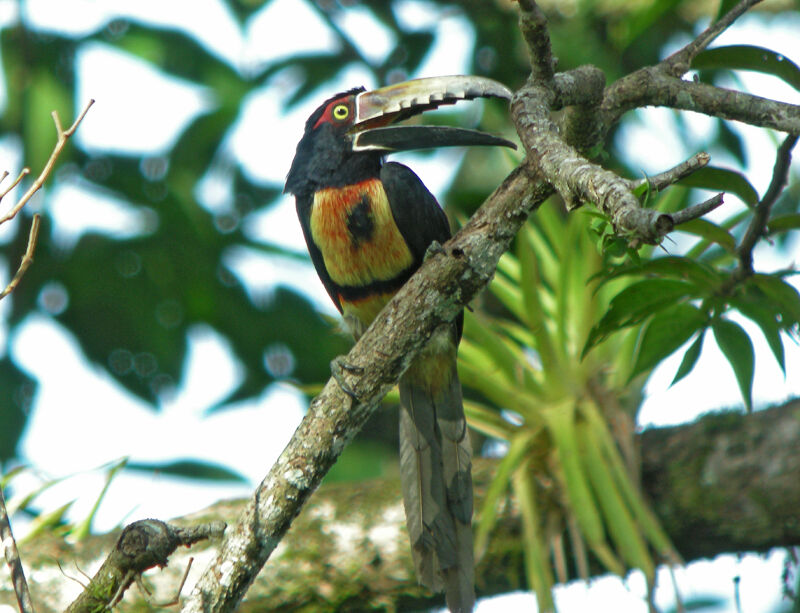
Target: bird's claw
338, 367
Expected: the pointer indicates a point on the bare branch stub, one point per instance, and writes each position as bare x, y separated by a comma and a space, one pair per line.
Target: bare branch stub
674, 174
142, 545
697, 210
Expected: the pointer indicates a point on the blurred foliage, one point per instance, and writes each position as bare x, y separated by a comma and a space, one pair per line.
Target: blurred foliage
131, 301
554, 356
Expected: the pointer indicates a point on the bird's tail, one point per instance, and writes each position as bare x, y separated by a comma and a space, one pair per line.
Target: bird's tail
435, 468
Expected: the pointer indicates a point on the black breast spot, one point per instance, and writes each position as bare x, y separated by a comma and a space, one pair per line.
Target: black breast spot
360, 224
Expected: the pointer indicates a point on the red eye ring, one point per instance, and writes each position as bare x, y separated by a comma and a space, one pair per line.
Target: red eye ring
338, 111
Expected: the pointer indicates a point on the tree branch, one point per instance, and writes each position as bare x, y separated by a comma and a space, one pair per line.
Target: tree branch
61, 141
758, 224
661, 85
13, 561
664, 179
650, 86
142, 545
62, 137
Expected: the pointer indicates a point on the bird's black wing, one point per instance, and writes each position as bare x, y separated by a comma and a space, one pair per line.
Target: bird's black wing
418, 216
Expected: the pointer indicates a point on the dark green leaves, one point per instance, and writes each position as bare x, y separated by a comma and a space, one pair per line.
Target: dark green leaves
711, 232
747, 57
689, 358
664, 334
723, 180
738, 350
784, 296
637, 302
15, 400
189, 469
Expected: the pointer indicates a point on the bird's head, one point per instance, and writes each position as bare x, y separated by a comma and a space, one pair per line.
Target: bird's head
346, 137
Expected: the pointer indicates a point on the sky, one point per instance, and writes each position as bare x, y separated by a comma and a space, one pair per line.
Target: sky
55, 441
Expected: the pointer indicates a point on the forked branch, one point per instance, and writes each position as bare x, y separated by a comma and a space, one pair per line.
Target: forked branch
61, 141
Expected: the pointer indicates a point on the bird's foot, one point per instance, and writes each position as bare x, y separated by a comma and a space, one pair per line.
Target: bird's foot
435, 248
338, 367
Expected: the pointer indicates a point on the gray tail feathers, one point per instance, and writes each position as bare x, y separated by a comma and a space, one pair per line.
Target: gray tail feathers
435, 469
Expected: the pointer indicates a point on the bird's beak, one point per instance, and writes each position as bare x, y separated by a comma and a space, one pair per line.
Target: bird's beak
377, 111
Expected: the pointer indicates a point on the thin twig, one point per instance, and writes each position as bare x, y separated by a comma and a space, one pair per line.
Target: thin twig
63, 135
13, 560
177, 599
19, 178
673, 175
27, 259
697, 210
758, 225
678, 63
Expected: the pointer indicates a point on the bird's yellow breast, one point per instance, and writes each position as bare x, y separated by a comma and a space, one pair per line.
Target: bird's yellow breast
355, 231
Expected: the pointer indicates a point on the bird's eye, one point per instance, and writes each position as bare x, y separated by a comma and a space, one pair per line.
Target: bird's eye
341, 112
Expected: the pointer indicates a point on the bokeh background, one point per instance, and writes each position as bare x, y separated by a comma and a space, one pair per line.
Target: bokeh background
172, 320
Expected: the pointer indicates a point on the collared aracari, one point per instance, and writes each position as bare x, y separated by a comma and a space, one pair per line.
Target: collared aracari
368, 225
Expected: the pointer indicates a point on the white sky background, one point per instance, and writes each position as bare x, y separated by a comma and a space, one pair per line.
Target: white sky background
144, 112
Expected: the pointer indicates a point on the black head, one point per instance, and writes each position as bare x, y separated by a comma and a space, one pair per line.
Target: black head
325, 155
347, 136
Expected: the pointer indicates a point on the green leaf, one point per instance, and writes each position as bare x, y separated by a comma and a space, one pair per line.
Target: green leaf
766, 319
689, 359
724, 7
15, 404
500, 353
637, 302
784, 295
738, 349
537, 567
362, 460
710, 231
749, 57
731, 140
190, 469
670, 266
517, 450
81, 530
664, 334
783, 223
722, 179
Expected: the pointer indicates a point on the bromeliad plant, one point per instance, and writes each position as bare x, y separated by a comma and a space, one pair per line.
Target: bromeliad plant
575, 322
564, 462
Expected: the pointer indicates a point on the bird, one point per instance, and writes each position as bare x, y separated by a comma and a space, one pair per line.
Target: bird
367, 224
